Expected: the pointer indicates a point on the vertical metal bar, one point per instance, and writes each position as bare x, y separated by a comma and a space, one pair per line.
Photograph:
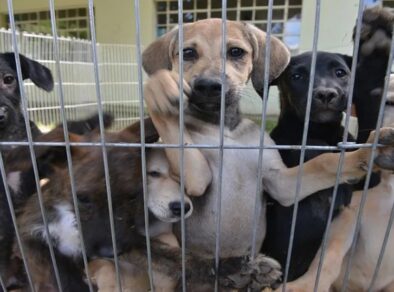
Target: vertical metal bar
2, 286
344, 141
15, 223
304, 137
259, 188
181, 138
143, 154
102, 141
67, 139
391, 219
221, 140
30, 140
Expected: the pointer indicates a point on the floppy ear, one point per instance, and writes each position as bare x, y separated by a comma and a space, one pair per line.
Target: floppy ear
158, 55
90, 124
279, 57
347, 59
133, 132
19, 159
39, 74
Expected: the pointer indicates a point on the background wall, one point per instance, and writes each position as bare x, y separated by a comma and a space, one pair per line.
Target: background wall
115, 21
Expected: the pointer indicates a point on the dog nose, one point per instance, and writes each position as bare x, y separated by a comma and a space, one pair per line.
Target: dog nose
175, 208
3, 114
326, 95
207, 87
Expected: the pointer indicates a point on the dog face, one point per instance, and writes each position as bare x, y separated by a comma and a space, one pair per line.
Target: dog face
245, 51
330, 86
124, 166
164, 194
9, 87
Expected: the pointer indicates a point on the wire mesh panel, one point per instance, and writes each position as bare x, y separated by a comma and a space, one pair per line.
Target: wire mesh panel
199, 130
118, 78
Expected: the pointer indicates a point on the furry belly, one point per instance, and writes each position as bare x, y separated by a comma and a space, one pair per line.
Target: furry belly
237, 209
236, 230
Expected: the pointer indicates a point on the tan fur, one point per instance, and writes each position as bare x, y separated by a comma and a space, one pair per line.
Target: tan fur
240, 166
374, 221
162, 54
103, 271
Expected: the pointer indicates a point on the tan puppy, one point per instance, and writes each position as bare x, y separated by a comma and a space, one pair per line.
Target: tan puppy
202, 90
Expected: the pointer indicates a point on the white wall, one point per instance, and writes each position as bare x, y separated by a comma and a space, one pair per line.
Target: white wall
337, 19
115, 21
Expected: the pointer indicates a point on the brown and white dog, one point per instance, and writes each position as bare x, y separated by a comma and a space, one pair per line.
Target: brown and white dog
202, 91
124, 166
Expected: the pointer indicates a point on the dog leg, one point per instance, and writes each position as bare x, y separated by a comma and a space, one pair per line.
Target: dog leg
389, 288
162, 98
320, 172
342, 231
234, 273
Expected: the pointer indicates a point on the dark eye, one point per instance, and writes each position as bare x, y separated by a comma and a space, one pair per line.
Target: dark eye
236, 52
340, 73
154, 173
296, 76
8, 79
84, 200
189, 54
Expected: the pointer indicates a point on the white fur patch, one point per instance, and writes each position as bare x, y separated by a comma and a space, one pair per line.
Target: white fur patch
64, 231
14, 181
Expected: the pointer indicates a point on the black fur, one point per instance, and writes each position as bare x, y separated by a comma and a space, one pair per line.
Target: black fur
12, 126
371, 70
329, 99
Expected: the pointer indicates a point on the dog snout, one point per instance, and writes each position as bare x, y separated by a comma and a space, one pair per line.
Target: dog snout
207, 87
3, 114
326, 95
176, 208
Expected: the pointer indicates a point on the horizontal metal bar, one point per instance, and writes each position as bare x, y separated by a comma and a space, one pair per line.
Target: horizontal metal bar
192, 146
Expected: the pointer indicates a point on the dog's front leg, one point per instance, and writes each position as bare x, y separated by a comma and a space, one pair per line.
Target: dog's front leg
340, 240
162, 99
320, 173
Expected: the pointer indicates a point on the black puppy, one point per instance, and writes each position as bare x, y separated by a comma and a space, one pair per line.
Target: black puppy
329, 98
12, 126
375, 43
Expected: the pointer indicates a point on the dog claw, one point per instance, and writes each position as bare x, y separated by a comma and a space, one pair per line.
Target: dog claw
257, 273
384, 157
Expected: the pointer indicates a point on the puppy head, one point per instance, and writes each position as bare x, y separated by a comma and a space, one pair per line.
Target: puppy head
9, 88
245, 50
164, 195
125, 186
37, 73
330, 86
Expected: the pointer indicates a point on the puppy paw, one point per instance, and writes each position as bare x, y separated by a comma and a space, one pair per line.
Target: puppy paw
376, 30
384, 154
162, 92
257, 273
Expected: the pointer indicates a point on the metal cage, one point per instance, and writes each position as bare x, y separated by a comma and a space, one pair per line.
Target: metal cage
130, 57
